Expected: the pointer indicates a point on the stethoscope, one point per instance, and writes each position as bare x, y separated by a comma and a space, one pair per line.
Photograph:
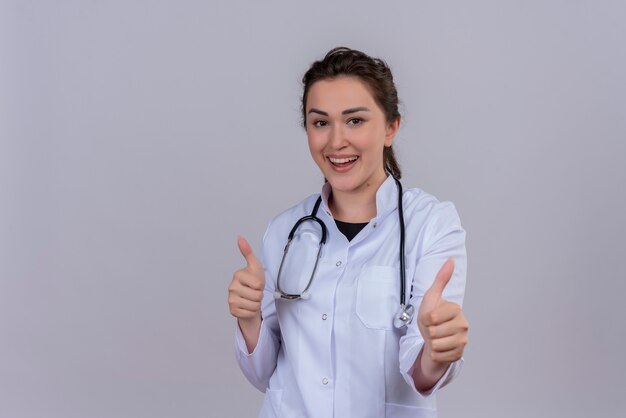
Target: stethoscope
406, 312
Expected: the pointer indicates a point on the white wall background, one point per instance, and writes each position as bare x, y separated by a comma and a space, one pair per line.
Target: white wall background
137, 138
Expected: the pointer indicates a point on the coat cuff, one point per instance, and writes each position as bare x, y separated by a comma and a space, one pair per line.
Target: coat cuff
259, 364
240, 342
407, 366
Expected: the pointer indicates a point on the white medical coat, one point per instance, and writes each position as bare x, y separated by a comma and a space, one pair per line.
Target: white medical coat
338, 354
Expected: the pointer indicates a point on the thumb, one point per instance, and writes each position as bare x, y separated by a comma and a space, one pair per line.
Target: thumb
248, 254
442, 279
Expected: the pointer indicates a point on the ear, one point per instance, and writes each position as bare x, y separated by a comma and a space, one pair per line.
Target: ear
391, 130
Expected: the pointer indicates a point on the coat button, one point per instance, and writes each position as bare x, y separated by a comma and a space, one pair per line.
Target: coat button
338, 263
324, 381
324, 317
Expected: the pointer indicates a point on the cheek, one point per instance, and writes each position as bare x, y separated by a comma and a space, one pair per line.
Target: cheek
371, 143
315, 146
311, 143
315, 142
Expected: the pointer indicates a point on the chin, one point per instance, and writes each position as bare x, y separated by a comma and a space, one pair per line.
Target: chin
344, 185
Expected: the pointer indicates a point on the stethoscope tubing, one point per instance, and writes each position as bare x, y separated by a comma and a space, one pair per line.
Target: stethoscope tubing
403, 300
405, 315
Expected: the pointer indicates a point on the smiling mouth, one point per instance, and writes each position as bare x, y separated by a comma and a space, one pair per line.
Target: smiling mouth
342, 162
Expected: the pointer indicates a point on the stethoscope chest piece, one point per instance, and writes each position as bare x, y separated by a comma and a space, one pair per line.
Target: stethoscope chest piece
404, 316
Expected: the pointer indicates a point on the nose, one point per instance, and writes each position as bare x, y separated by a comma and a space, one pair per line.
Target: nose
337, 139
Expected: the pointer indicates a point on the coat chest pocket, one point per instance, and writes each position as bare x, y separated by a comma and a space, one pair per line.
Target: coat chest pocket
377, 296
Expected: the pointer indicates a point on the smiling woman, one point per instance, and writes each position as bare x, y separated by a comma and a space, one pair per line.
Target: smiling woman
347, 133
337, 345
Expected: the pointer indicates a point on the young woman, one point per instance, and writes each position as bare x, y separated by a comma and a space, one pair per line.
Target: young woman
343, 332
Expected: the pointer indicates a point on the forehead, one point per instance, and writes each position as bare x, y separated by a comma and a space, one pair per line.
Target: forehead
339, 93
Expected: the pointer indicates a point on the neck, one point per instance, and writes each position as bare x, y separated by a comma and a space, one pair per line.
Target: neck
355, 206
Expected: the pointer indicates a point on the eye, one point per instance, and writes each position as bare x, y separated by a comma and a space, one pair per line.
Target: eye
319, 123
355, 121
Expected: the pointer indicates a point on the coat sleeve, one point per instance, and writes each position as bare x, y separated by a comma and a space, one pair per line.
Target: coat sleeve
259, 365
443, 238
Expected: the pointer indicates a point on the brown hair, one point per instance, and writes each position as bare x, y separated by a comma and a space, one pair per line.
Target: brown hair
377, 76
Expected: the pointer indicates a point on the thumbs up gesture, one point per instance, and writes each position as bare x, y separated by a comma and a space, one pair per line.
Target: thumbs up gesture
245, 292
442, 323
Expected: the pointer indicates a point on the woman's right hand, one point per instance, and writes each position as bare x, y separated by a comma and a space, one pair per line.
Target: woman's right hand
245, 294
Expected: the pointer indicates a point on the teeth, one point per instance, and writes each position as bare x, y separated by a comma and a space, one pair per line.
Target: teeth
342, 160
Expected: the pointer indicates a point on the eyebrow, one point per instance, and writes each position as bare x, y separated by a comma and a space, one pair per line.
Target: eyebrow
345, 112
354, 110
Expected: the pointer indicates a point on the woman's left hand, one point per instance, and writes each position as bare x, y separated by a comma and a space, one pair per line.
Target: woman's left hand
442, 324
